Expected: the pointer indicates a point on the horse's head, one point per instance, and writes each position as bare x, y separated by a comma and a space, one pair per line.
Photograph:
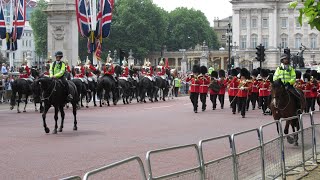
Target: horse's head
117, 70
36, 89
168, 72
278, 88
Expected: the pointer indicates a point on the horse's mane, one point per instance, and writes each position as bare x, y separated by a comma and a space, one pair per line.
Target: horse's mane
277, 83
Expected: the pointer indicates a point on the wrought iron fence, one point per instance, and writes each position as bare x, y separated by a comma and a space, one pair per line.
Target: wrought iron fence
279, 156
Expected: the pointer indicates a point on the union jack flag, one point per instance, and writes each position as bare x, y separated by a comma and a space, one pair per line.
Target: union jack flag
2, 23
106, 13
19, 19
83, 17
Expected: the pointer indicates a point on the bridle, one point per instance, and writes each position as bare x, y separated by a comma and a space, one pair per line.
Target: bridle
53, 89
277, 105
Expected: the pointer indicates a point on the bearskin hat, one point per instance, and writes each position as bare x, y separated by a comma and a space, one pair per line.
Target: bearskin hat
314, 73
259, 69
264, 73
196, 69
255, 72
318, 77
298, 74
307, 76
234, 72
214, 74
222, 73
244, 72
203, 70
308, 71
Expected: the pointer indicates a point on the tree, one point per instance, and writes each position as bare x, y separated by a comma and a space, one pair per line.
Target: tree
189, 27
39, 25
309, 12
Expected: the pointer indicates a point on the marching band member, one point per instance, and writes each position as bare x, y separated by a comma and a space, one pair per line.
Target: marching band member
249, 82
194, 87
307, 88
264, 92
223, 82
255, 88
314, 90
244, 88
233, 90
299, 82
214, 89
204, 81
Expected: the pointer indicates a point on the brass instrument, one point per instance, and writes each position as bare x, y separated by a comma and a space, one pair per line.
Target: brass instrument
243, 84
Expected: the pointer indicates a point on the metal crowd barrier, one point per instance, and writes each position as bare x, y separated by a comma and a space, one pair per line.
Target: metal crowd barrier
268, 159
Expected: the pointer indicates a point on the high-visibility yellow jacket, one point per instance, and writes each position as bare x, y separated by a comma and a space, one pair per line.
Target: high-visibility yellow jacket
58, 70
286, 76
177, 82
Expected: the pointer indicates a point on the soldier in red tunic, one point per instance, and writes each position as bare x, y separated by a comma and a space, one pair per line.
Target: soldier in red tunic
264, 92
314, 90
307, 88
90, 68
204, 81
254, 88
243, 92
194, 87
214, 91
233, 88
25, 71
125, 69
223, 82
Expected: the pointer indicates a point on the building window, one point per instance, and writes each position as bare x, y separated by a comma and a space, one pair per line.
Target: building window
297, 23
223, 36
254, 23
313, 41
243, 23
265, 41
22, 43
254, 41
284, 42
265, 23
297, 42
7, 55
284, 22
29, 43
243, 43
13, 55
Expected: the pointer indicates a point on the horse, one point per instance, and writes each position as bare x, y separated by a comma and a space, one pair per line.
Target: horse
53, 94
92, 88
20, 86
146, 86
134, 80
82, 90
35, 73
283, 105
107, 85
161, 86
124, 84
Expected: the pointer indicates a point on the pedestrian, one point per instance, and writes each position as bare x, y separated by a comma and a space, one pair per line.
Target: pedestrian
194, 87
4, 70
204, 81
223, 82
214, 89
233, 90
177, 86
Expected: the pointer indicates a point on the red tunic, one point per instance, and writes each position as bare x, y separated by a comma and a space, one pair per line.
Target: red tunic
79, 75
223, 86
46, 73
110, 72
314, 90
126, 72
212, 92
23, 76
194, 86
244, 92
92, 67
162, 72
204, 82
68, 69
307, 90
233, 87
264, 87
255, 86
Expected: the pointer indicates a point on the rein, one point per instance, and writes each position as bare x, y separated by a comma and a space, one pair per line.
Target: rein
277, 105
53, 89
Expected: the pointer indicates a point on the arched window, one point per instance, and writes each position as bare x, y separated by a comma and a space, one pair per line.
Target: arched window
313, 41
254, 41
298, 40
284, 40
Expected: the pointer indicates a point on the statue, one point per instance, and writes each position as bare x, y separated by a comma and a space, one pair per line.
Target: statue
298, 60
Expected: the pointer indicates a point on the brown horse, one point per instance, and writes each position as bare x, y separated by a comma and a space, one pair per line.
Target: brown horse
283, 105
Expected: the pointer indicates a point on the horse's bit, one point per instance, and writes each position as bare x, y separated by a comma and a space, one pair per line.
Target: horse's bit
54, 89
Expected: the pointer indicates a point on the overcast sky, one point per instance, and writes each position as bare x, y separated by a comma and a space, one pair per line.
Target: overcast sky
211, 8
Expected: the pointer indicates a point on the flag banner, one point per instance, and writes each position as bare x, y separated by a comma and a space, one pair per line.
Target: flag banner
106, 10
19, 19
12, 44
83, 17
98, 50
2, 23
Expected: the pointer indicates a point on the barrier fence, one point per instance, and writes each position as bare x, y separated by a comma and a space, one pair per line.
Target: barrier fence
281, 155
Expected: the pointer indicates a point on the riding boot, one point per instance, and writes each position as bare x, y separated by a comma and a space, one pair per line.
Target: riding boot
66, 86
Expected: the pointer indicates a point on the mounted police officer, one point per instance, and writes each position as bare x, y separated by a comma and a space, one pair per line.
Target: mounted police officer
286, 73
57, 70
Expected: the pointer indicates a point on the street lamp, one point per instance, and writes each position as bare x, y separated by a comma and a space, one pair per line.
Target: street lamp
229, 34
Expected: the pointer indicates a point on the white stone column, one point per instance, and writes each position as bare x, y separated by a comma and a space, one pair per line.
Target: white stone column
176, 63
236, 26
222, 62
273, 27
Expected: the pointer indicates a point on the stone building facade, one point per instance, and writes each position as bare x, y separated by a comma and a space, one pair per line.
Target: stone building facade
273, 24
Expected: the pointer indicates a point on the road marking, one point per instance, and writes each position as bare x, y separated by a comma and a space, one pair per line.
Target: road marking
158, 107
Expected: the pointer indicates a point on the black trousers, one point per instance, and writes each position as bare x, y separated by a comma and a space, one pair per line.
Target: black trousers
254, 98
248, 102
176, 91
203, 99
213, 98
221, 100
242, 105
310, 104
234, 101
194, 100
313, 104
264, 100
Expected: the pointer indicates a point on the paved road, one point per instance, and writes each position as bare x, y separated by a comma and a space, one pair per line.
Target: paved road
109, 134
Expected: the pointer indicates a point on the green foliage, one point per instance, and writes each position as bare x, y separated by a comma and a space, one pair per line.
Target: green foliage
309, 12
38, 23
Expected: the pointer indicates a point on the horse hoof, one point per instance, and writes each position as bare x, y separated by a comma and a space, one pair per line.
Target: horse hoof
60, 129
36, 110
47, 130
24, 111
75, 128
54, 131
11, 108
82, 106
108, 104
95, 105
19, 111
87, 106
100, 105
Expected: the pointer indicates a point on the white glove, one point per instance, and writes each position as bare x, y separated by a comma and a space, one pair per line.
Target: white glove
242, 88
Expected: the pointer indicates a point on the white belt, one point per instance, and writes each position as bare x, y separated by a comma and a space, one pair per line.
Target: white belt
194, 84
263, 89
306, 90
203, 85
234, 88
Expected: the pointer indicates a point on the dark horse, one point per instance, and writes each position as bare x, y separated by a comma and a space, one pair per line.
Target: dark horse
162, 87
107, 85
124, 84
92, 85
53, 94
283, 105
135, 84
21, 86
146, 86
82, 90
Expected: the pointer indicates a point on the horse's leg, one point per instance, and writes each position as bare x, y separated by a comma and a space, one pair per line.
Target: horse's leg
87, 100
296, 136
81, 97
25, 105
150, 92
56, 111
44, 114
35, 106
94, 98
19, 99
41, 107
62, 117
74, 110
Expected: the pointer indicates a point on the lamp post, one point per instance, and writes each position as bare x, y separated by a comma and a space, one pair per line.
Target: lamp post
313, 56
229, 34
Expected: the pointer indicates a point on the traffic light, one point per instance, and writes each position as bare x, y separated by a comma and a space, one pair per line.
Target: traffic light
232, 61
287, 52
258, 53
262, 53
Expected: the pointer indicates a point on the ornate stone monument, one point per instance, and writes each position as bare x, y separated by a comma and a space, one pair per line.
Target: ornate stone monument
63, 29
130, 58
29, 59
204, 56
183, 61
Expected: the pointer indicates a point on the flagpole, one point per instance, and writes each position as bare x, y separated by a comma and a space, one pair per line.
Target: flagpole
94, 25
10, 31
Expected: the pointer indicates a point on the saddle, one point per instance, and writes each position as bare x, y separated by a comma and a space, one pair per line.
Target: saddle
299, 97
124, 78
30, 80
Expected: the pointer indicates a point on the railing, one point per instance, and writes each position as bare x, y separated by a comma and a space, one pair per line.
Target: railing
282, 155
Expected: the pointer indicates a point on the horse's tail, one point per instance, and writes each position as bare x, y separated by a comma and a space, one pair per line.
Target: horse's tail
14, 93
